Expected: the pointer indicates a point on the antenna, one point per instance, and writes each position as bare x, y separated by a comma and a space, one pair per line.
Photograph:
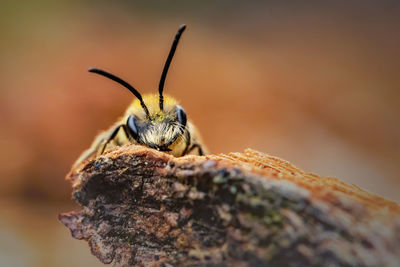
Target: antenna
167, 63
123, 83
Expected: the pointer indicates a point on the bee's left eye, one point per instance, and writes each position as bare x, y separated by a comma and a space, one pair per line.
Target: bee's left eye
131, 124
181, 115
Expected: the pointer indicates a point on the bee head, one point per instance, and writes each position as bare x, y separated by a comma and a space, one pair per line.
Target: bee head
157, 125
161, 130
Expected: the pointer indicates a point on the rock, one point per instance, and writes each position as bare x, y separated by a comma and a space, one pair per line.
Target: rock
141, 207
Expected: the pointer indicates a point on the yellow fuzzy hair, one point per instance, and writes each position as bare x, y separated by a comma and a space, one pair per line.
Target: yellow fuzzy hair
152, 102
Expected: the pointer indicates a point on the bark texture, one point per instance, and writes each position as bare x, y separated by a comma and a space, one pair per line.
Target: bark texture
141, 207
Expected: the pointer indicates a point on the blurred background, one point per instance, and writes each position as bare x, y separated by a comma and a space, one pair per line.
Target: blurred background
315, 83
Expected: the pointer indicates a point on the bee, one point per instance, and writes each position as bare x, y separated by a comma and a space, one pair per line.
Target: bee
155, 121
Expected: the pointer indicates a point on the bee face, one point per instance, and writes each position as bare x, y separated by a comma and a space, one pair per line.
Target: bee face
156, 121
161, 130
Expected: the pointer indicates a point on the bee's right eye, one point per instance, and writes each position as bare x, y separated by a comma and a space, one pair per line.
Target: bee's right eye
131, 123
181, 115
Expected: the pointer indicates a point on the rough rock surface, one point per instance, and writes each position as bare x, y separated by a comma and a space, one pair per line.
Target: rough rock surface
141, 207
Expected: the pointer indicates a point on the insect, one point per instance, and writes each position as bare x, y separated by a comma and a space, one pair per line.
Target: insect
155, 121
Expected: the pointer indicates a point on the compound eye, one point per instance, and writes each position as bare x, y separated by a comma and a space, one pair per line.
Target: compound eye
181, 115
131, 123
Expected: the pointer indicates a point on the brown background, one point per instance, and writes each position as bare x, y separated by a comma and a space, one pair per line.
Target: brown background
315, 84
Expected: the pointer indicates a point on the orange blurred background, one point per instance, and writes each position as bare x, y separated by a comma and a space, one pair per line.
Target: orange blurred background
317, 84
